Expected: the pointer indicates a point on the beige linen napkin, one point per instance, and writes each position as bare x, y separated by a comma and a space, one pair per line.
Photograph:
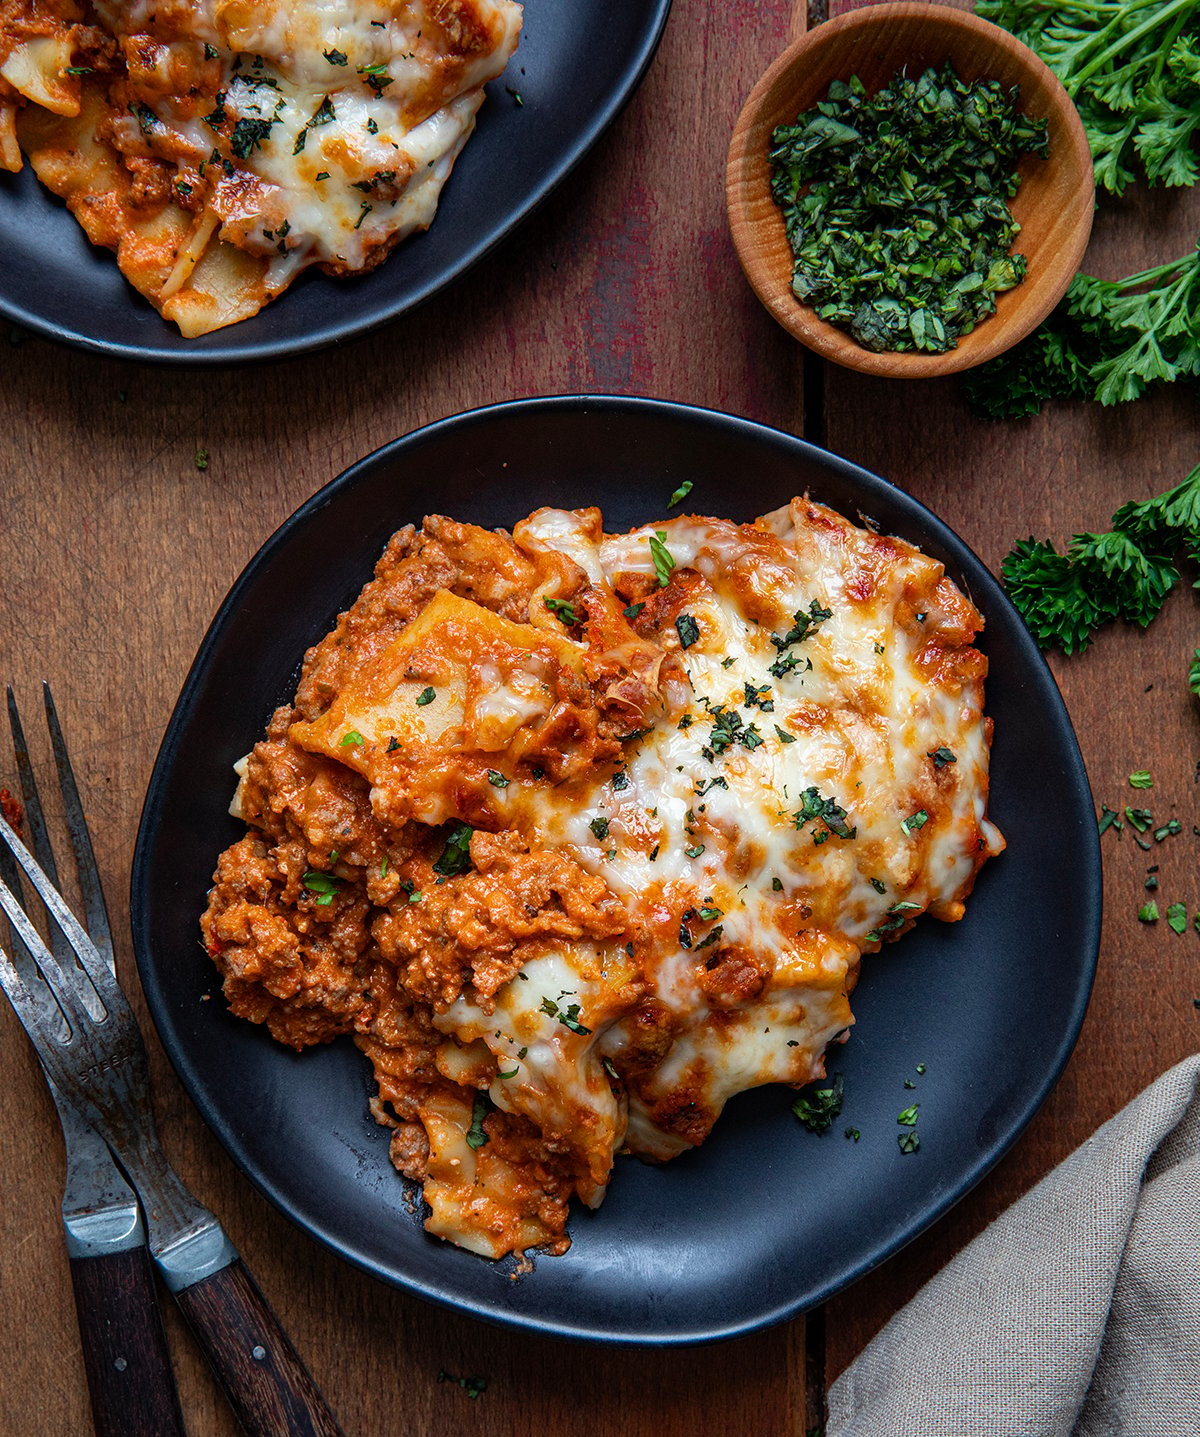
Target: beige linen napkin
1075, 1314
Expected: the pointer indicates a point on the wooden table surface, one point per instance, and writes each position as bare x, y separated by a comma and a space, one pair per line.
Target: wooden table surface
117, 551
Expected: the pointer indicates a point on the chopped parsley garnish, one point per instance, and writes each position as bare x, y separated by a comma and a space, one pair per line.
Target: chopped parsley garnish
758, 696
335, 57
785, 663
777, 885
694, 852
853, 1133
87, 69
895, 204
511, 1073
688, 630
914, 821
633, 610
376, 76
942, 756
878, 886
426, 696
562, 609
1139, 818
352, 738
472, 1386
908, 1118
147, 119
1168, 830
823, 810
1109, 819
456, 856
1148, 912
248, 135
909, 1142
568, 1017
321, 175
201, 459
364, 210
802, 626
210, 51
393, 744
718, 782
1177, 918
1141, 779
497, 779
817, 1107
663, 561
712, 938
708, 913
896, 919
920, 1069
680, 494
784, 736
324, 885
729, 728
620, 780
480, 1107
599, 827
414, 893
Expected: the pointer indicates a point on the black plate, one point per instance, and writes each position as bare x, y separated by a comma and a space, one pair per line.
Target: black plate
765, 1219
574, 69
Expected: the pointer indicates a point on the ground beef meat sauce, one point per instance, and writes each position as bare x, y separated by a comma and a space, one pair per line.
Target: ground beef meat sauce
323, 921
578, 834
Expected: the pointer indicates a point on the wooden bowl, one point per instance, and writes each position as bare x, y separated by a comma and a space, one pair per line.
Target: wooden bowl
1053, 206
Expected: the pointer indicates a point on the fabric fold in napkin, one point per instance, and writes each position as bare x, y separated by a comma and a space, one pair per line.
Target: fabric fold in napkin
1075, 1314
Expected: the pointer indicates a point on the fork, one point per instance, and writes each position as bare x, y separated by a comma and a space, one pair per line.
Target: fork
125, 1354
84, 1031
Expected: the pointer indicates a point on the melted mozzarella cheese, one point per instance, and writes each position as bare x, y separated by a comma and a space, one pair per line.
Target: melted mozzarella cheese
811, 778
332, 124
703, 824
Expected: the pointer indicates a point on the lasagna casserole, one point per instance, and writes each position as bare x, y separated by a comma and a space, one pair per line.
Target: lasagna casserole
579, 834
221, 146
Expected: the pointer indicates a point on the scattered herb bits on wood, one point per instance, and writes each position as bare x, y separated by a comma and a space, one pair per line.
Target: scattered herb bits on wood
896, 206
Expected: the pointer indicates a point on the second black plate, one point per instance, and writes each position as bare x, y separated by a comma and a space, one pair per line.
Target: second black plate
765, 1219
575, 67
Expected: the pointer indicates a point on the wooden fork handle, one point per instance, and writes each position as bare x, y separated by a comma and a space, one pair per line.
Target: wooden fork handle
125, 1354
267, 1385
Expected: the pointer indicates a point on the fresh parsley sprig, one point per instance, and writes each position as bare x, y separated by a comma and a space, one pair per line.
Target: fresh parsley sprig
1106, 340
1126, 573
1133, 71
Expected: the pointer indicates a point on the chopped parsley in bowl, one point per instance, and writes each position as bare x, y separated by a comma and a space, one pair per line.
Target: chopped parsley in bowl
896, 205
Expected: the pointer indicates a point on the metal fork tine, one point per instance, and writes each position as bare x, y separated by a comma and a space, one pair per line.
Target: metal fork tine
65, 982
22, 958
39, 836
90, 962
95, 910
29, 967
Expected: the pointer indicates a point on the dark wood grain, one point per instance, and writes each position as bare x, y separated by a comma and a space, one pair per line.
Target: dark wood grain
1064, 472
261, 1374
125, 1353
117, 551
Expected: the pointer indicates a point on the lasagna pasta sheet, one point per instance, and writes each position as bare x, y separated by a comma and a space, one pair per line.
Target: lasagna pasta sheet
579, 834
222, 146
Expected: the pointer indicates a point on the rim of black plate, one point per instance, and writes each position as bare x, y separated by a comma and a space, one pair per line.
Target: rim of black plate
1039, 676
237, 350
